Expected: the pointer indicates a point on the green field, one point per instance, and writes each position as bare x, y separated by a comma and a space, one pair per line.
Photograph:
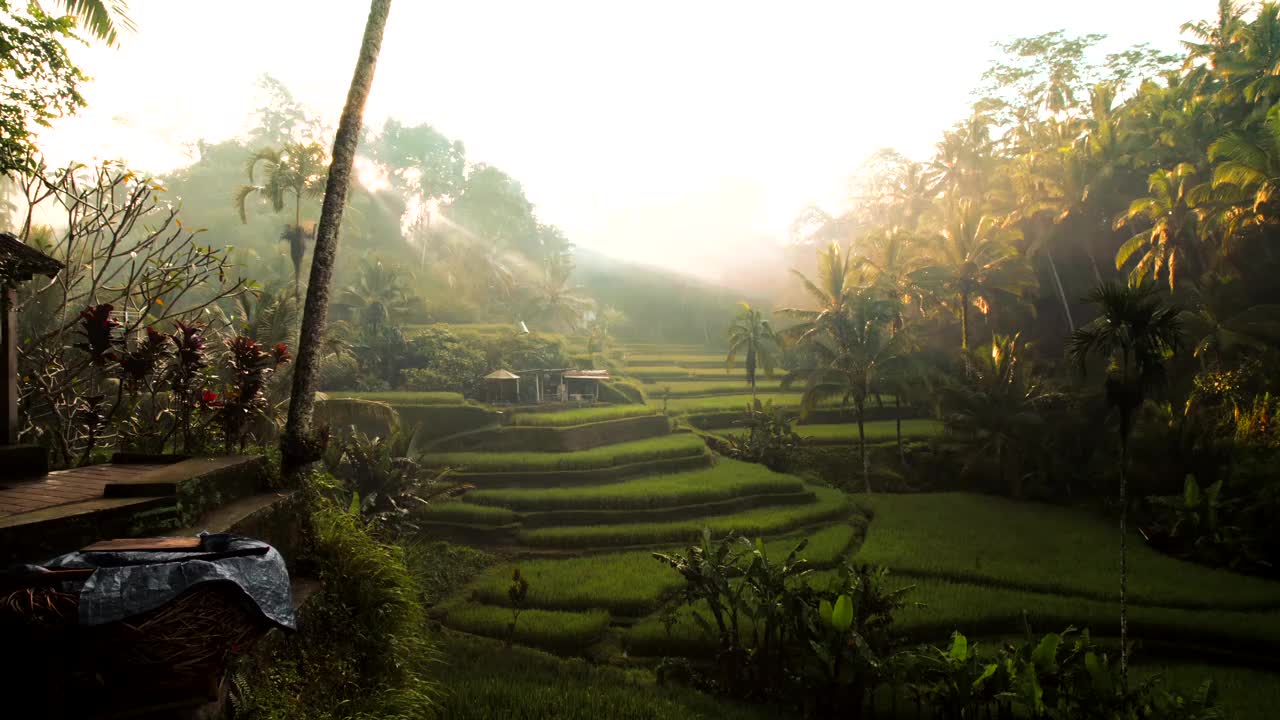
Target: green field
580, 416
681, 359
670, 446
1042, 548
727, 479
467, 513
694, 388
629, 583
403, 397
843, 433
830, 505
551, 629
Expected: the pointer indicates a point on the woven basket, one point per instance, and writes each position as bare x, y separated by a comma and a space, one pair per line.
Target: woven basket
184, 643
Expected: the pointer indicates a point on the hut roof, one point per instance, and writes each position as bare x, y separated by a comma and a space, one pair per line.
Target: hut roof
588, 374
19, 262
501, 375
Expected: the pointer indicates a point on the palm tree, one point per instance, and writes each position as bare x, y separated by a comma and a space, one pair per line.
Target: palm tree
299, 446
1250, 171
295, 170
852, 356
893, 265
1173, 236
752, 334
556, 303
1135, 335
379, 294
998, 404
975, 265
102, 18
830, 292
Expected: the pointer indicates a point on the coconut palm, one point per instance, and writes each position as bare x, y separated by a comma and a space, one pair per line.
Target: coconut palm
1172, 237
975, 265
852, 355
1135, 334
997, 403
293, 171
752, 335
554, 302
1250, 172
830, 292
102, 18
380, 293
299, 446
893, 265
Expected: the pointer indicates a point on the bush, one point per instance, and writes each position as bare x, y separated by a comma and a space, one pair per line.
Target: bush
362, 652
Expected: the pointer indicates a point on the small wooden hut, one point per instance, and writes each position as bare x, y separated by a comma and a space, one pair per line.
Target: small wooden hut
502, 386
18, 264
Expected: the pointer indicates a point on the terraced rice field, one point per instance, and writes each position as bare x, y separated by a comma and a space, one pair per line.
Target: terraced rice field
669, 446
846, 433
403, 397
580, 416
977, 564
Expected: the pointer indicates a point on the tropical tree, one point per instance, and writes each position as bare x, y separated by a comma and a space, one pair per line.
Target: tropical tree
752, 335
294, 170
554, 301
1135, 334
102, 18
1250, 171
379, 294
1173, 234
892, 264
830, 291
852, 355
975, 265
998, 404
299, 447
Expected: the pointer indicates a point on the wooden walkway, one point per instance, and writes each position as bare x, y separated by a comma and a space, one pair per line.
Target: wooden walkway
65, 486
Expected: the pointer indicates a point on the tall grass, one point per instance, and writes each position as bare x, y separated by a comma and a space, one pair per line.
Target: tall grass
1040, 547
465, 512
580, 416
727, 479
670, 446
830, 504
483, 680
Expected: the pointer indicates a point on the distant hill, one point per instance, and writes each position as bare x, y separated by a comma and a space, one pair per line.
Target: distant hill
660, 305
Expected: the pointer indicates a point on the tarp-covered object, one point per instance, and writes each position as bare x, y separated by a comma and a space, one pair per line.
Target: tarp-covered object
126, 583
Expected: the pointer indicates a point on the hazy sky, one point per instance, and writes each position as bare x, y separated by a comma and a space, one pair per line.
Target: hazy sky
675, 133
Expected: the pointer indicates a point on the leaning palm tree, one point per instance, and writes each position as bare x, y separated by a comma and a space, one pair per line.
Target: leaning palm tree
1249, 172
752, 334
299, 446
852, 356
1135, 335
292, 171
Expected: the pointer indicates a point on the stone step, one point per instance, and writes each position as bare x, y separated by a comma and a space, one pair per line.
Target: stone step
271, 517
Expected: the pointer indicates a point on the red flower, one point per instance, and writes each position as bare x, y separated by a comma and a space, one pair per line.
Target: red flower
209, 398
282, 354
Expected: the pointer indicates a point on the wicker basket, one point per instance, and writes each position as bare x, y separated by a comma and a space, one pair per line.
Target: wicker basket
183, 644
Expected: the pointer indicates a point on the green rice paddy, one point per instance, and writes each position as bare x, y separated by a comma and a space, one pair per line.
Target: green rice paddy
580, 416
727, 479
843, 433
403, 397
1042, 548
670, 446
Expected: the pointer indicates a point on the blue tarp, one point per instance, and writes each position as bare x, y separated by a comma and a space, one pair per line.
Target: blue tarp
127, 583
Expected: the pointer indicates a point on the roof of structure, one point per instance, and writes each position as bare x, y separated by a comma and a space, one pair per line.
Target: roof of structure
588, 374
501, 375
20, 262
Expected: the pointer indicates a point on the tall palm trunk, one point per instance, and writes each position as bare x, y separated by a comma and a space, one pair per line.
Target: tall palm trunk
897, 415
964, 324
299, 446
1062, 295
1124, 564
862, 448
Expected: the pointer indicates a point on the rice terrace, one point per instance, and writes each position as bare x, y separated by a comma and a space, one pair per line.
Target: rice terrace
511, 361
